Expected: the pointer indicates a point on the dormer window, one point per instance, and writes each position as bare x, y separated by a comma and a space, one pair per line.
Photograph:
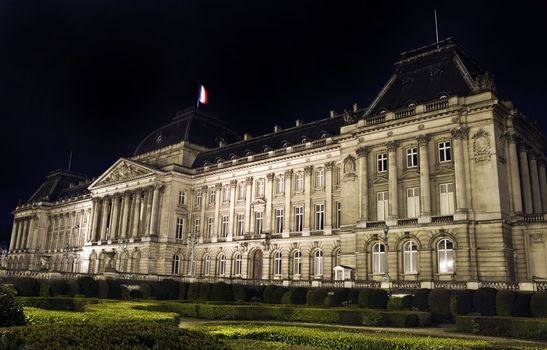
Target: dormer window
267, 149
324, 135
383, 111
285, 144
248, 153
206, 163
219, 160
411, 104
304, 140
233, 156
443, 97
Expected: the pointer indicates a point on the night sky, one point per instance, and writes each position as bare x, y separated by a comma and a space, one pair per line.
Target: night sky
96, 77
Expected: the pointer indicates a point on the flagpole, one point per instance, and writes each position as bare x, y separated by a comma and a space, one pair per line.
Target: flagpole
199, 92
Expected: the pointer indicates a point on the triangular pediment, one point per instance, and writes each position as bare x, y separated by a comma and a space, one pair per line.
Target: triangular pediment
380, 179
410, 175
444, 169
123, 170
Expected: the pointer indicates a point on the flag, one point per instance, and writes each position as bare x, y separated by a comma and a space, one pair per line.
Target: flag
203, 96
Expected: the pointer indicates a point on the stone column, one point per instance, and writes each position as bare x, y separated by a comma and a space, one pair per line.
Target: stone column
104, 217
525, 178
329, 166
231, 224
393, 180
542, 183
20, 232
308, 210
458, 136
95, 207
248, 198
362, 153
153, 230
536, 193
268, 197
147, 209
125, 214
137, 200
425, 187
26, 232
114, 217
218, 200
287, 210
515, 177
202, 221
13, 235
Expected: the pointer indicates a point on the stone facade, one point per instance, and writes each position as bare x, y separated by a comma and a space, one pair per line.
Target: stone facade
446, 192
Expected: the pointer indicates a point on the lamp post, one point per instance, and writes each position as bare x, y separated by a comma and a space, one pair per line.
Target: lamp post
386, 274
193, 240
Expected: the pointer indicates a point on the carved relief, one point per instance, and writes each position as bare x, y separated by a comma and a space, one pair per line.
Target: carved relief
124, 171
349, 165
481, 146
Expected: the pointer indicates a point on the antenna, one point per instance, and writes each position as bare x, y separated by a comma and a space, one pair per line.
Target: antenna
436, 27
70, 160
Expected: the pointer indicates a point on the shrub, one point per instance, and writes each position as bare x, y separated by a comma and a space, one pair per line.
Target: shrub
183, 287
267, 293
57, 303
27, 287
363, 299
254, 293
58, 288
192, 293
72, 288
114, 289
146, 290
504, 302
528, 328
171, 289
378, 299
484, 301
295, 296
407, 302
11, 311
135, 294
278, 294
87, 286
538, 304
521, 306
395, 303
124, 292
439, 304
45, 291
337, 297
221, 291
420, 299
205, 291
316, 296
353, 295
102, 289
239, 293
461, 302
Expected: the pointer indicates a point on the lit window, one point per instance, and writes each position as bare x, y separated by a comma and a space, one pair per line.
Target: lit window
318, 263
258, 222
182, 197
240, 224
445, 154
412, 157
280, 184
410, 257
242, 190
299, 182
445, 251
297, 263
279, 217
320, 178
224, 228
378, 258
226, 194
298, 218
447, 199
412, 202
277, 263
319, 216
382, 205
179, 228
381, 162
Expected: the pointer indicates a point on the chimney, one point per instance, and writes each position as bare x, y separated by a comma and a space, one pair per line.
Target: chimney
247, 136
355, 107
299, 122
277, 128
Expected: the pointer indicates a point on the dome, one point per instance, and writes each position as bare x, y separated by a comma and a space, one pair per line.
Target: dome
192, 125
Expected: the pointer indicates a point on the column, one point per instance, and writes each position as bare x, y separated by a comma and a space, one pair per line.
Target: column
114, 218
308, 210
458, 136
231, 225
287, 210
125, 214
248, 198
329, 166
425, 187
104, 217
30, 233
218, 200
202, 223
137, 200
525, 178
536, 193
392, 180
20, 233
147, 209
95, 207
153, 230
542, 183
362, 153
515, 177
13, 235
269, 187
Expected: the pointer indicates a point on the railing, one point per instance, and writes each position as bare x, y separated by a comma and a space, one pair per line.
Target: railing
434, 106
260, 156
407, 222
319, 143
500, 285
375, 224
450, 284
332, 284
300, 283
401, 284
407, 112
299, 148
376, 120
367, 284
280, 152
541, 286
533, 217
443, 219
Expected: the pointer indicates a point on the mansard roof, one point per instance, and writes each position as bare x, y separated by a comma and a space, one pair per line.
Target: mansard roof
426, 74
61, 184
192, 125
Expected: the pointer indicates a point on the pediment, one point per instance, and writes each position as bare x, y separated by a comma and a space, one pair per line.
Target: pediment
258, 202
380, 180
444, 169
410, 175
122, 170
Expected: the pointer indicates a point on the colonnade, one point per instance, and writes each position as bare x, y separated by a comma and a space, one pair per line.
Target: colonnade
21, 232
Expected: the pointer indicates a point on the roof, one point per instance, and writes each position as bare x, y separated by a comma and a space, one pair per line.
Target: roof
426, 74
61, 184
192, 125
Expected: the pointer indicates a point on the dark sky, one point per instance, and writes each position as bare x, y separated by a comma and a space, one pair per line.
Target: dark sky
95, 76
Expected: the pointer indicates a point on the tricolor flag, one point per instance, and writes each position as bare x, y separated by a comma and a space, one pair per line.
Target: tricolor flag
203, 97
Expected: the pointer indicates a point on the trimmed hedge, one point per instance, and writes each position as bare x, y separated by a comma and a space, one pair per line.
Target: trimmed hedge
11, 310
538, 304
484, 301
363, 298
57, 303
102, 289
268, 292
521, 306
316, 297
192, 294
27, 287
87, 287
461, 302
295, 296
404, 303
114, 289
378, 299
337, 297
239, 293
277, 294
135, 294
420, 299
514, 327
205, 291
183, 287
221, 292
439, 304
58, 288
504, 302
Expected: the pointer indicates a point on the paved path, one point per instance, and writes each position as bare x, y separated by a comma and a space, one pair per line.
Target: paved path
447, 331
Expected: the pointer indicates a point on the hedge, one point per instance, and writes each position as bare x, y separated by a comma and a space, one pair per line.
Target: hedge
439, 304
221, 292
484, 301
268, 292
11, 310
403, 303
514, 327
337, 297
183, 287
316, 297
239, 293
57, 303
538, 304
504, 302
87, 286
420, 299
378, 299
113, 335
192, 293
277, 294
521, 306
102, 289
58, 288
295, 296
135, 294
27, 287
461, 302
114, 289
363, 299
205, 291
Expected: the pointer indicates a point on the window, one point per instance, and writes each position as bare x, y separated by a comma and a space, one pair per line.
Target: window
222, 265
378, 258
196, 226
226, 194
258, 222
193, 266
212, 195
175, 265
240, 224
297, 263
319, 216
318, 263
298, 218
412, 157
337, 176
336, 258
198, 198
260, 188
224, 227
299, 182
182, 197
338, 214
277, 263
279, 217
320, 178
445, 251
210, 226
382, 205
241, 191
410, 257
447, 199
238, 263
413, 202
179, 230
280, 184
444, 151
207, 265
381, 162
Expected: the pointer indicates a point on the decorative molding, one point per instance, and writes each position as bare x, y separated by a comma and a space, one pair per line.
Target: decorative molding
392, 146
330, 165
249, 180
349, 165
362, 151
308, 169
423, 140
460, 133
270, 176
233, 183
288, 173
481, 146
122, 172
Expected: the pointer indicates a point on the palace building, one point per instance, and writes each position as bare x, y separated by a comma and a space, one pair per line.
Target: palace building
438, 182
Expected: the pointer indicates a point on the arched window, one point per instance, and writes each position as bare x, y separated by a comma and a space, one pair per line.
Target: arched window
221, 265
238, 262
297, 263
410, 257
92, 262
277, 263
318, 262
207, 265
135, 261
102, 262
378, 258
445, 254
175, 265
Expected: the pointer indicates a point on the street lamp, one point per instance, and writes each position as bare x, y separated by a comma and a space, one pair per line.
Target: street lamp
386, 274
193, 240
